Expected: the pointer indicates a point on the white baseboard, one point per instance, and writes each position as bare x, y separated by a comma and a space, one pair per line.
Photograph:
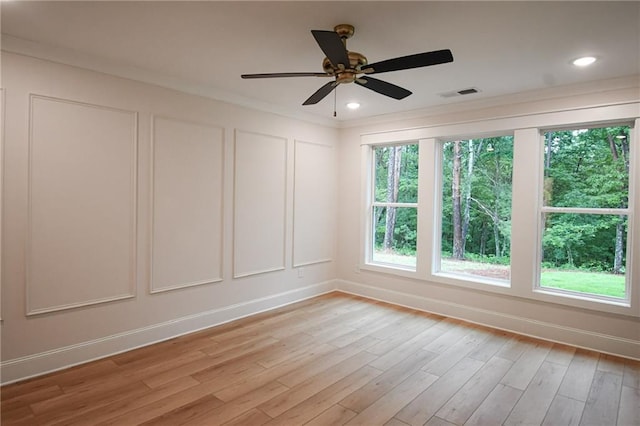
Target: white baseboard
534, 328
45, 362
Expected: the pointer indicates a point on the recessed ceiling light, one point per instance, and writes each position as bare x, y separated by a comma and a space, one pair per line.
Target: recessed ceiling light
353, 105
584, 61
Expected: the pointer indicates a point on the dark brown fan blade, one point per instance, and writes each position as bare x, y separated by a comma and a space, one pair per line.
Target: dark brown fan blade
382, 87
411, 61
286, 74
332, 46
321, 93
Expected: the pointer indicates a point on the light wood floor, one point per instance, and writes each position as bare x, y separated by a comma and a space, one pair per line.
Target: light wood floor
334, 360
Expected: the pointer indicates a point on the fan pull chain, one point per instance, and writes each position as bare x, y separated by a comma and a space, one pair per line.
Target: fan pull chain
335, 95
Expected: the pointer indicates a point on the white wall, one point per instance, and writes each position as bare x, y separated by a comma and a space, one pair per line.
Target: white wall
119, 221
609, 332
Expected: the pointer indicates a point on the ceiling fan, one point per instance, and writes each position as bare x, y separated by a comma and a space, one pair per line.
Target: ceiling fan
352, 67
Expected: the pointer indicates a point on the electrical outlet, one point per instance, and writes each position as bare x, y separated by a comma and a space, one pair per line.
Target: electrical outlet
300, 272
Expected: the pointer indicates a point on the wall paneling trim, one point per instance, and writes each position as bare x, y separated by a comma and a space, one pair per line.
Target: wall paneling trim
313, 200
81, 242
260, 197
187, 193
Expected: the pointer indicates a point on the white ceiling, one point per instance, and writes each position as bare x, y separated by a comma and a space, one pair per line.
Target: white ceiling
499, 47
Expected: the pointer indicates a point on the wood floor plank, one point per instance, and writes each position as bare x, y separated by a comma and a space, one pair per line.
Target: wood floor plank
577, 381
496, 406
22, 415
536, 400
564, 411
629, 410
162, 406
119, 408
253, 417
515, 347
247, 384
611, 364
527, 365
462, 405
64, 408
425, 405
21, 401
187, 412
324, 399
490, 347
334, 416
603, 401
238, 406
406, 349
631, 375
437, 421
183, 370
306, 389
327, 361
392, 377
228, 374
452, 335
385, 408
458, 350
410, 329
395, 422
561, 354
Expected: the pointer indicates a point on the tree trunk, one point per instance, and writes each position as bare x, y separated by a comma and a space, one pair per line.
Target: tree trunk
393, 186
496, 237
458, 246
483, 239
547, 163
467, 197
618, 252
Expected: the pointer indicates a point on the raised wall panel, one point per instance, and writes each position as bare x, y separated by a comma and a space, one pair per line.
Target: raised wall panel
314, 202
82, 204
187, 204
259, 203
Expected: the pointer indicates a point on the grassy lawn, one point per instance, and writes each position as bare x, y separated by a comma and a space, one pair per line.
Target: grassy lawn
598, 283
585, 282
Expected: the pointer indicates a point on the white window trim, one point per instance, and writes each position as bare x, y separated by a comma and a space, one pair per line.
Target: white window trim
527, 131
470, 281
367, 262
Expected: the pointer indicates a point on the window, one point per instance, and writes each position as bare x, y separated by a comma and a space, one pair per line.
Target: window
394, 207
476, 208
585, 211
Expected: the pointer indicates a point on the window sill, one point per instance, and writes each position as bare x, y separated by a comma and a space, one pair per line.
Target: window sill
621, 307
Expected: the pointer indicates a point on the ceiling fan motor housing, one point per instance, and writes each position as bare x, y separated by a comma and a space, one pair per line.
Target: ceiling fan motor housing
356, 61
346, 74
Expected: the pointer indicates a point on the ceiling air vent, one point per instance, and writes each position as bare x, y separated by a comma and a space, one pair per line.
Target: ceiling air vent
469, 91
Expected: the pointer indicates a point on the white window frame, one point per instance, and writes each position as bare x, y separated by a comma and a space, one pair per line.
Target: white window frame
371, 203
526, 184
436, 268
633, 166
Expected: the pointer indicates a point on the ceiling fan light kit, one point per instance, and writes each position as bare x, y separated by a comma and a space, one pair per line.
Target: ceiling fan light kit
352, 67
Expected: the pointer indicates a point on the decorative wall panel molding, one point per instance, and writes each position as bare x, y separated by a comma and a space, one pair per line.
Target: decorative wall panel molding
81, 242
313, 203
186, 224
260, 196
